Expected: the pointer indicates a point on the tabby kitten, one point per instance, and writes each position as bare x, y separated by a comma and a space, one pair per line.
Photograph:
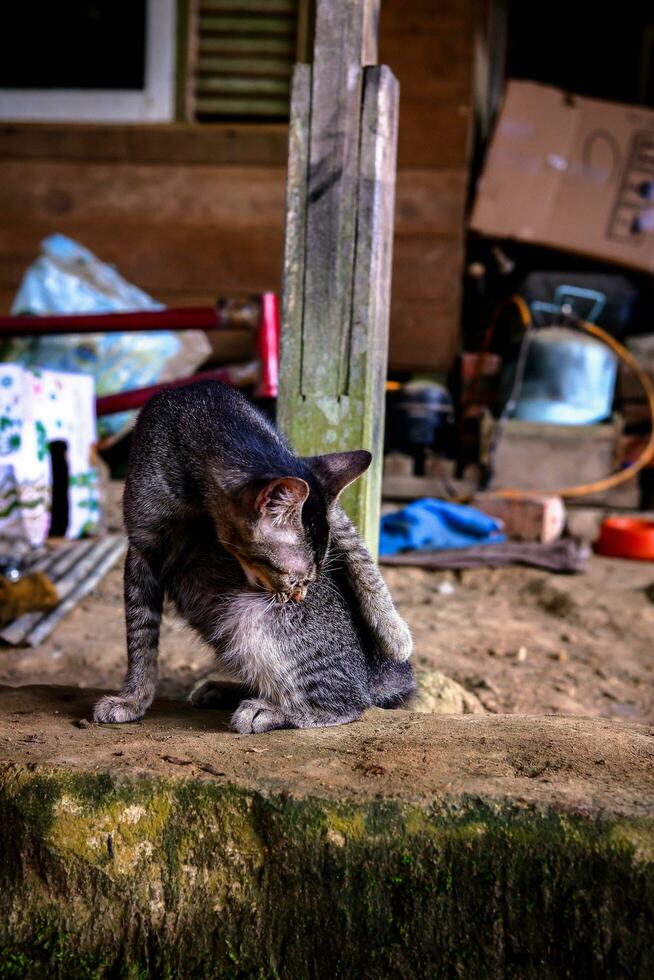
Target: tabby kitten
248, 542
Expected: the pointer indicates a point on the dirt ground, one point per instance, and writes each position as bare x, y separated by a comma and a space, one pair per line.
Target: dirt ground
524, 641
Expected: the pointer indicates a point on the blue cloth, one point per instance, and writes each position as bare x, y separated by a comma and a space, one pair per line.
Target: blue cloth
436, 524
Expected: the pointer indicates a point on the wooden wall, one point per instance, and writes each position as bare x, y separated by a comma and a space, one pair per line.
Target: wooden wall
192, 213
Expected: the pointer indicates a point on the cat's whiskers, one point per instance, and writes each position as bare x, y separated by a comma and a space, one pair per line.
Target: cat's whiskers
331, 588
332, 560
332, 565
227, 544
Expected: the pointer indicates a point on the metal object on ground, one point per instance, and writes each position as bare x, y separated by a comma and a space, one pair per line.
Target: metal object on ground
75, 572
84, 586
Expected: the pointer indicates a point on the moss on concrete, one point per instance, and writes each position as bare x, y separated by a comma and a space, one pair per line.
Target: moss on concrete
400, 846
102, 876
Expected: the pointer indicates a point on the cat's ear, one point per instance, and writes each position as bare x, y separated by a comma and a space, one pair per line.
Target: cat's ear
282, 498
337, 470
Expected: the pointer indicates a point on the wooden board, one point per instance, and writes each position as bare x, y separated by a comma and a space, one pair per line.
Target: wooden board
194, 257
424, 336
430, 47
430, 202
342, 34
434, 136
92, 192
246, 144
339, 237
426, 266
427, 201
397, 15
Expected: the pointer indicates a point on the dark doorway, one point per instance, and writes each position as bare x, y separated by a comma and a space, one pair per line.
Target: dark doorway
59, 513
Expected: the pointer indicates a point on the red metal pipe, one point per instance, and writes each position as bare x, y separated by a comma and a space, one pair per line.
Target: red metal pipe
185, 318
123, 401
268, 346
226, 314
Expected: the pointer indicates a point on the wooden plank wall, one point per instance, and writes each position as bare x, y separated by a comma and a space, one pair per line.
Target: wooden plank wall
191, 213
429, 45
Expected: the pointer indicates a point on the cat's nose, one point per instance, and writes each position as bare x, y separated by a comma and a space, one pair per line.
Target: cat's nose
299, 593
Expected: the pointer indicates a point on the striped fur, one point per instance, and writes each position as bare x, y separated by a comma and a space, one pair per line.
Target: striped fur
248, 542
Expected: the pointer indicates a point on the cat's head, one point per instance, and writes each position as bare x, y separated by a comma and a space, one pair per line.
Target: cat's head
279, 527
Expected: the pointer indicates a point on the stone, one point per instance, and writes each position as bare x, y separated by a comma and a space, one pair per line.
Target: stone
441, 695
401, 845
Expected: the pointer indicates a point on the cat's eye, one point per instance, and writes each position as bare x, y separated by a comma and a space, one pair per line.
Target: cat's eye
270, 566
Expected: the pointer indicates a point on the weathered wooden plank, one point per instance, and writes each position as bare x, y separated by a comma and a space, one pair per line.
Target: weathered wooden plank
36, 190
342, 38
435, 64
427, 202
152, 256
322, 410
410, 487
425, 15
424, 335
430, 47
240, 105
232, 85
430, 202
368, 354
434, 135
260, 45
289, 402
251, 6
185, 51
254, 66
226, 24
230, 144
427, 266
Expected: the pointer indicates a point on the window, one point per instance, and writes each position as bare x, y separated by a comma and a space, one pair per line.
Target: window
240, 58
150, 60
88, 60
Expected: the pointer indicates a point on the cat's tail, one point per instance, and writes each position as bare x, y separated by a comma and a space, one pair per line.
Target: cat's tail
392, 684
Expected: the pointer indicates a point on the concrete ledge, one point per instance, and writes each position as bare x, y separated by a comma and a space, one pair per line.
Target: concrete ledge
404, 845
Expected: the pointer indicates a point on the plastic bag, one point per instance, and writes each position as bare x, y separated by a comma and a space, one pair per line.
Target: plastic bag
68, 278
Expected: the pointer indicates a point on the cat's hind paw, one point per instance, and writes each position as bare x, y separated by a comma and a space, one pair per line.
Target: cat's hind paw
115, 709
256, 717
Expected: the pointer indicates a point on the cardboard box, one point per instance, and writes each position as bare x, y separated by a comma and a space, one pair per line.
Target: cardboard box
570, 173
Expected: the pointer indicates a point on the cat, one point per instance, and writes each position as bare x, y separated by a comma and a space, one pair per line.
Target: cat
249, 542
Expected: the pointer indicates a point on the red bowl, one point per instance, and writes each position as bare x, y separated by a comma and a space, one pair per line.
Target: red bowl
626, 537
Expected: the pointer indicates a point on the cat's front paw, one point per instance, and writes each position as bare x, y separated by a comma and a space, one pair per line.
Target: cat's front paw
256, 717
396, 642
114, 709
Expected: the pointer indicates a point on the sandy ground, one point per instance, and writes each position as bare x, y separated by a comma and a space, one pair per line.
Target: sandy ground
525, 642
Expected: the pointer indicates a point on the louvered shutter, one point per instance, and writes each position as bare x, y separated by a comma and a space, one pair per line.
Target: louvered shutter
243, 59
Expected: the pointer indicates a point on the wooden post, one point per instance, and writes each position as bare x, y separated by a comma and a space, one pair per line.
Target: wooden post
337, 264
